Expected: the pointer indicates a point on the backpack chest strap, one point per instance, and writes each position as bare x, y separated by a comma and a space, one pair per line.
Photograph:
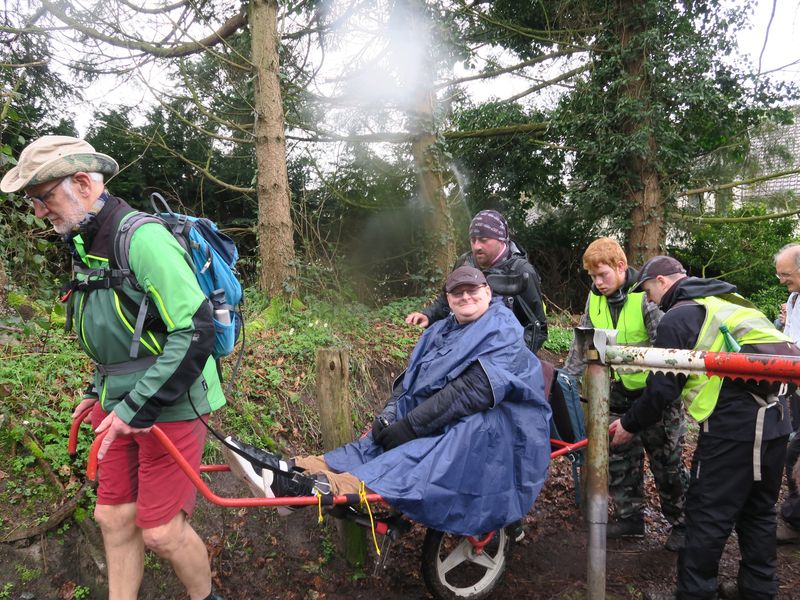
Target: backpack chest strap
98, 278
126, 368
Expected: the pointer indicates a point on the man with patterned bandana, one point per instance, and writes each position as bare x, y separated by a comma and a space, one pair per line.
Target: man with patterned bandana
612, 305
495, 253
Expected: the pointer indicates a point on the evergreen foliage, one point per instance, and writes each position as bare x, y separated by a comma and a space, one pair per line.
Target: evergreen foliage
660, 96
361, 225
740, 253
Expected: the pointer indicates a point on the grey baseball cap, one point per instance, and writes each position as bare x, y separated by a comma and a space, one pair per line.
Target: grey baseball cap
464, 275
658, 265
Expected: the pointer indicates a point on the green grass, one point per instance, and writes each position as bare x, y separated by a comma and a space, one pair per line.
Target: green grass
41, 379
27, 575
559, 339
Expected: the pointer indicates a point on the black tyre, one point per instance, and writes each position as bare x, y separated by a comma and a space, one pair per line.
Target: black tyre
453, 567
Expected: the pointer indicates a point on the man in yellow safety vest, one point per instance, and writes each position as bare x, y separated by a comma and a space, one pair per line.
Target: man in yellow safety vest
612, 305
738, 463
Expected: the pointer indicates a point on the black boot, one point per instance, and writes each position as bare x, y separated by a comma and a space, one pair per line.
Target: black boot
677, 538
632, 526
299, 484
729, 590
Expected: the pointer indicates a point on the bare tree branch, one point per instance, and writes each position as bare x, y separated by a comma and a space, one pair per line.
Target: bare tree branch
497, 72
227, 29
722, 220
38, 63
766, 35
154, 11
405, 138
733, 184
246, 128
157, 141
548, 83
522, 128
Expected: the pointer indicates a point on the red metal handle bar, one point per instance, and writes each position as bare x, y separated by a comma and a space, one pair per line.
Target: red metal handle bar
567, 448
72, 445
214, 468
91, 474
91, 470
757, 366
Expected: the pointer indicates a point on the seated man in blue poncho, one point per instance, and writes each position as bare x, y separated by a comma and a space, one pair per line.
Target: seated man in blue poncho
462, 445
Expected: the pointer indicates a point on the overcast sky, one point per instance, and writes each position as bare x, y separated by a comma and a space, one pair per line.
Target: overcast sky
780, 58
782, 38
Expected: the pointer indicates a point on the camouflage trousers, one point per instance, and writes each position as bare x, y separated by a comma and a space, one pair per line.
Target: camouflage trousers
663, 443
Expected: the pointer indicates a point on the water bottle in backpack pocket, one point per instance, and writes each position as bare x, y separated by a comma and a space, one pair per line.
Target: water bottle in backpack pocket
227, 322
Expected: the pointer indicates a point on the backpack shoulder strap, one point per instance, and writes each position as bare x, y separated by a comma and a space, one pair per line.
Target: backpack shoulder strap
121, 243
120, 256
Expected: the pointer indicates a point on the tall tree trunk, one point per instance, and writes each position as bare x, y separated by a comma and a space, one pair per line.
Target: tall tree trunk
647, 232
275, 239
427, 156
431, 183
646, 237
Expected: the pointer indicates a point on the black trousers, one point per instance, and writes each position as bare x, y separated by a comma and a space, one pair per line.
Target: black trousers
790, 509
722, 495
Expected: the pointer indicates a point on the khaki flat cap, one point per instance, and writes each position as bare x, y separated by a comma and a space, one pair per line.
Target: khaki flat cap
54, 156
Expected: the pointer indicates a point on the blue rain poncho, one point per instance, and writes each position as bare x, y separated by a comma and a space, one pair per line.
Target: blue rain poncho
483, 471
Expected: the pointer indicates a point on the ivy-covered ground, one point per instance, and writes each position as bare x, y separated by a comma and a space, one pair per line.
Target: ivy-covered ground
50, 548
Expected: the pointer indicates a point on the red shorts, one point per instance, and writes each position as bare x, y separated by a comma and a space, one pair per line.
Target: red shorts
137, 469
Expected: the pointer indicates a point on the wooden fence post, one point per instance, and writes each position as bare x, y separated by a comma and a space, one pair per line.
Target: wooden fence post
333, 384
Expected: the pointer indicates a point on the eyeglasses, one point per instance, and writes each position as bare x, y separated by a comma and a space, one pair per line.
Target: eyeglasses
782, 276
41, 201
473, 292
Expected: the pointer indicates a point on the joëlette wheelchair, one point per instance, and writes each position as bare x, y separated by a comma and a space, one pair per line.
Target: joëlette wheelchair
453, 566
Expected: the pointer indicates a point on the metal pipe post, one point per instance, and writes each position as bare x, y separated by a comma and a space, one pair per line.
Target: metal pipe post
597, 385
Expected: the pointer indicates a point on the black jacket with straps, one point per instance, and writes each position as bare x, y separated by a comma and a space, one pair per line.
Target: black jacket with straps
467, 394
527, 306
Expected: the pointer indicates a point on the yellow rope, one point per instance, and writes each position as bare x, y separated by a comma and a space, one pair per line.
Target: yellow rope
362, 495
319, 505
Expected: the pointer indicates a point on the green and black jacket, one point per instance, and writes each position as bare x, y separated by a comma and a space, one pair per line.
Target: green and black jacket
173, 369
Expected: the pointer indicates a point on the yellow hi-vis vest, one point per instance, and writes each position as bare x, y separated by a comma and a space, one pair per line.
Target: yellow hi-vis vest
631, 330
747, 325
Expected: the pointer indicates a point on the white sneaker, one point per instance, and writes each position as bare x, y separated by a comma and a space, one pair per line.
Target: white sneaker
259, 483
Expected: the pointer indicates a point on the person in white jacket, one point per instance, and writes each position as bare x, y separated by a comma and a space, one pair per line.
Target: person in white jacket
787, 270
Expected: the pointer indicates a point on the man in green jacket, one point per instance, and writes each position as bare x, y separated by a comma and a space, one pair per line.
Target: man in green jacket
169, 378
612, 305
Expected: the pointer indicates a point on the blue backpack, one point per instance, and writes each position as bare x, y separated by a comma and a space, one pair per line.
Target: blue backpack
214, 256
